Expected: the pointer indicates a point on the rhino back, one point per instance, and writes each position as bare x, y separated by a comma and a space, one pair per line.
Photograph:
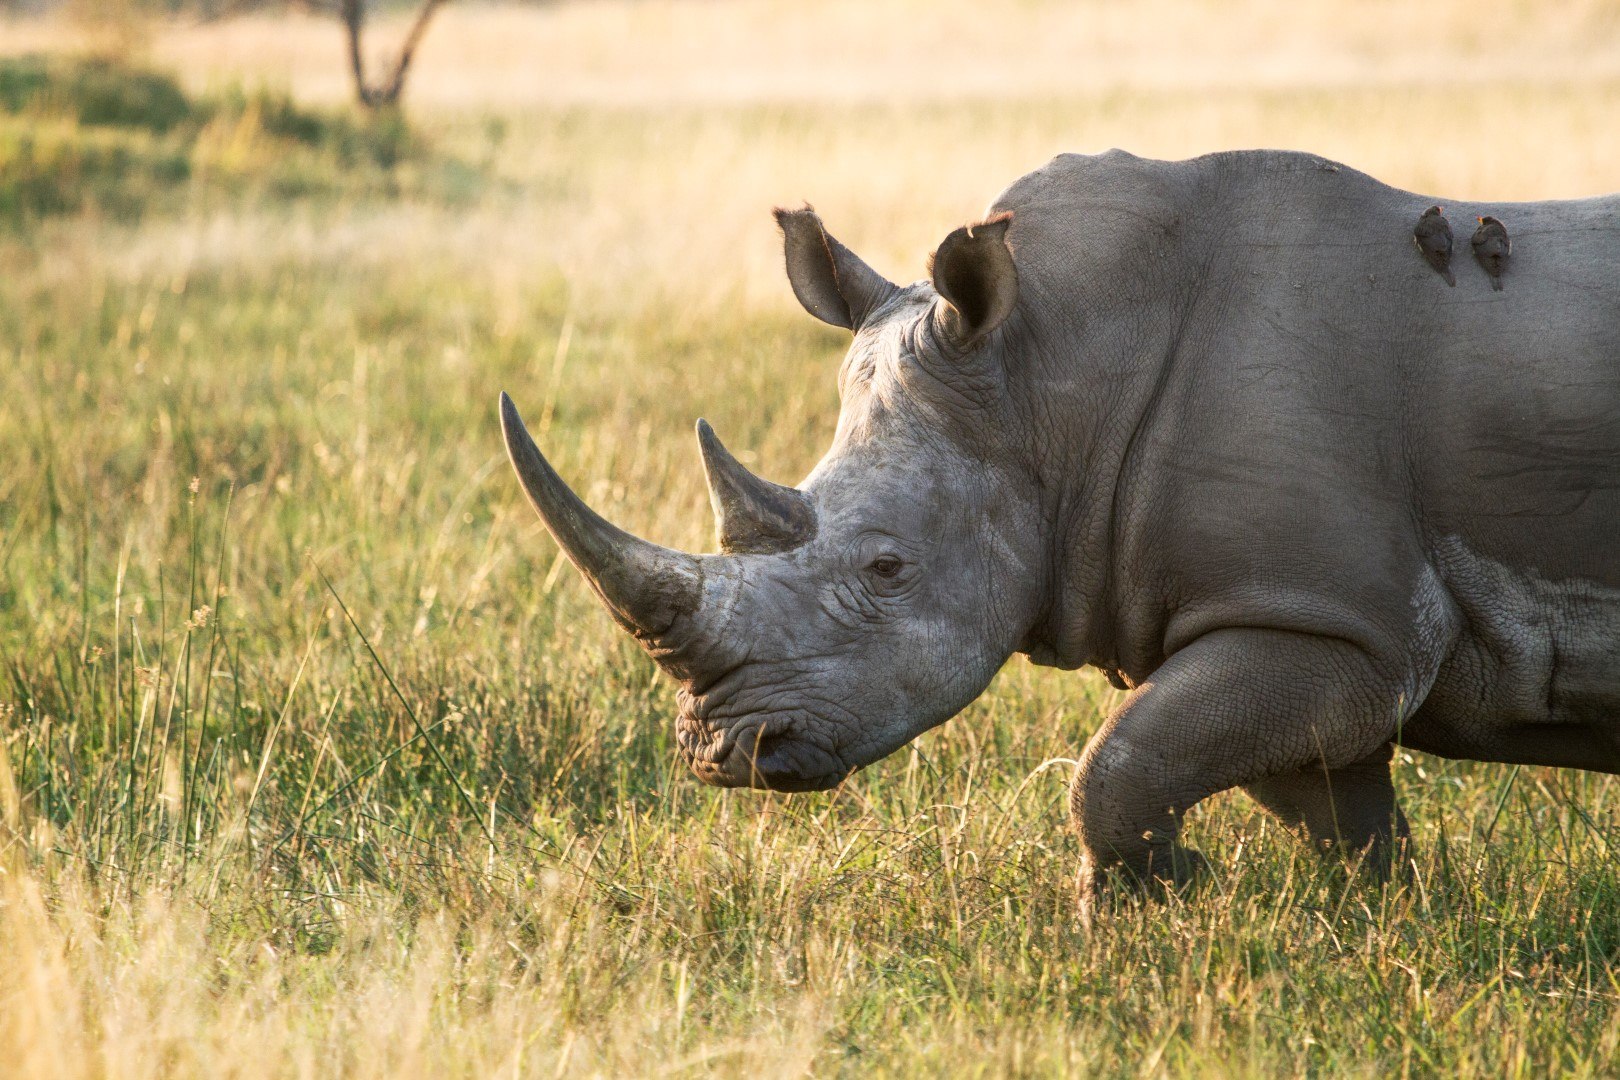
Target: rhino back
1489, 416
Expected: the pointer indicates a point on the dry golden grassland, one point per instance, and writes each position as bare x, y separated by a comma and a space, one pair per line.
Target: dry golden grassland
245, 834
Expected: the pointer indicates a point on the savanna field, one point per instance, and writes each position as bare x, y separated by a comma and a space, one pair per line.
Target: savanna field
320, 760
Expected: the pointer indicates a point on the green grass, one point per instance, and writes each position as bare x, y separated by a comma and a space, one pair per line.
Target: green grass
241, 842
125, 141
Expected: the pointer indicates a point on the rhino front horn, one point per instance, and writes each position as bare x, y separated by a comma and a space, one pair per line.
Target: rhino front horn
645, 587
752, 515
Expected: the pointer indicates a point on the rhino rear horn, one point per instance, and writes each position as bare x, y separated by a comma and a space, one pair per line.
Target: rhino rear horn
646, 588
830, 280
752, 515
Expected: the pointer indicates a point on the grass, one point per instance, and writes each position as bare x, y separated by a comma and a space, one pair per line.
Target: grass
114, 138
320, 761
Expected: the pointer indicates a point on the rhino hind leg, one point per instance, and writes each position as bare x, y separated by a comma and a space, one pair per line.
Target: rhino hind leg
1235, 708
1349, 811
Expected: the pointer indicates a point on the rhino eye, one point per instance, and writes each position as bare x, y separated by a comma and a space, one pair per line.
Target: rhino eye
886, 566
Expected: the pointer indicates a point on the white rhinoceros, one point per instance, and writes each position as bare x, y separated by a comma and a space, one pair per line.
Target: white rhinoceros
1213, 426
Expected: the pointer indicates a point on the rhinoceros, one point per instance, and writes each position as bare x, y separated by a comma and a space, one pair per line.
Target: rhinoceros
1212, 426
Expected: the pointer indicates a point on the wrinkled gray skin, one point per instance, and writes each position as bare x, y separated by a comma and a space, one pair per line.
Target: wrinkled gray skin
1212, 426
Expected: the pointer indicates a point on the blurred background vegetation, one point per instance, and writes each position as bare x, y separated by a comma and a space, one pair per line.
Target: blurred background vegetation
81, 133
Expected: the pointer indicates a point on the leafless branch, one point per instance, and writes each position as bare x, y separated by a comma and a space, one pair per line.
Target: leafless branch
353, 15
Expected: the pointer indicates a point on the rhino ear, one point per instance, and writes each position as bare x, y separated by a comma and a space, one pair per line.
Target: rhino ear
974, 274
830, 280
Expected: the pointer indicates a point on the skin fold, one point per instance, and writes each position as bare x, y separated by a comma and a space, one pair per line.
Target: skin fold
1212, 426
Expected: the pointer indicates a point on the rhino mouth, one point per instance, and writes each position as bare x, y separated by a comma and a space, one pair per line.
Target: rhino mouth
753, 757
761, 776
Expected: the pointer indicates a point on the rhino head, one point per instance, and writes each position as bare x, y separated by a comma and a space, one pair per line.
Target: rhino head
874, 601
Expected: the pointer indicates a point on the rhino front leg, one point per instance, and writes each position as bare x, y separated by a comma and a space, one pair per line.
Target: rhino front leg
1349, 810
1233, 708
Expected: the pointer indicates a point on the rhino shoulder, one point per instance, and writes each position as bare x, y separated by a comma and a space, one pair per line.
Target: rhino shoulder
1069, 178
1114, 217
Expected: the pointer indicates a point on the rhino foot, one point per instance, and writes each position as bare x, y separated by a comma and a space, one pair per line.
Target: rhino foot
1168, 868
1348, 813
